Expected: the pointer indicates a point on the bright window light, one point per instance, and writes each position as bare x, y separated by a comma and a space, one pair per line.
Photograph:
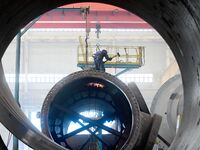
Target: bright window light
53, 78
138, 78
35, 121
92, 114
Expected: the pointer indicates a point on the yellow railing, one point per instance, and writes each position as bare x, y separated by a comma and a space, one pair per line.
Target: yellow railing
128, 54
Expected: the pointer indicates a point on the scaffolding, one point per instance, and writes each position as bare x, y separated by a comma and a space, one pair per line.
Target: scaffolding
130, 56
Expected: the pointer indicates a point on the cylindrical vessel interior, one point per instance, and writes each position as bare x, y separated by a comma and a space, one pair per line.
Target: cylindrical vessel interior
94, 106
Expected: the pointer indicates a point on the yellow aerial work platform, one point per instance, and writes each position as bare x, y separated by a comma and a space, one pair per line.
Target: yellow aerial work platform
130, 56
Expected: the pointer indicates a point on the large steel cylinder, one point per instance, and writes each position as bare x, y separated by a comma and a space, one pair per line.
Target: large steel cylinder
168, 102
178, 22
90, 109
138, 96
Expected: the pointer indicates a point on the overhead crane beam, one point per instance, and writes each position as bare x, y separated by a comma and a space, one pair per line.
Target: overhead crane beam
72, 18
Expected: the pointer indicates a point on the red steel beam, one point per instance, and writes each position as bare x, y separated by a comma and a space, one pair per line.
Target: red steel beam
72, 18
94, 6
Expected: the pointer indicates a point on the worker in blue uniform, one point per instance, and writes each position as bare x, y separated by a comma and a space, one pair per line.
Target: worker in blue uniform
98, 60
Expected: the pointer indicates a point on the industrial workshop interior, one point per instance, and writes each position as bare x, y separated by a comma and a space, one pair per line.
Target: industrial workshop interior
103, 75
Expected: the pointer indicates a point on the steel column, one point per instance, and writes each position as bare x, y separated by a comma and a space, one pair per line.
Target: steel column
17, 73
29, 26
17, 70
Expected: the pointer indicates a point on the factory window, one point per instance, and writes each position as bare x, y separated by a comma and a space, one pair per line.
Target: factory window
138, 78
53, 78
35, 78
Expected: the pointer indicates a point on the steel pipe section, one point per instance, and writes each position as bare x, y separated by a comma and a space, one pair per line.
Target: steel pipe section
168, 102
14, 119
178, 22
90, 99
138, 96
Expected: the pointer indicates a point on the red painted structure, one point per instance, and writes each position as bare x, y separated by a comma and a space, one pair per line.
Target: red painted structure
108, 16
94, 6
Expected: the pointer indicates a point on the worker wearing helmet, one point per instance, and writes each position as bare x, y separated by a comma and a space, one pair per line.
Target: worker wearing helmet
98, 60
